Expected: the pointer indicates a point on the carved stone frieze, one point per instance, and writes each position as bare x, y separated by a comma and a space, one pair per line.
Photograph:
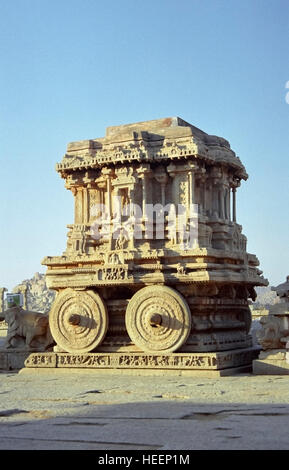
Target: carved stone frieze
181, 361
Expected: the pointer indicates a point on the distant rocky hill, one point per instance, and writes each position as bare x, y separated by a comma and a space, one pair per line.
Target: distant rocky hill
39, 297
265, 297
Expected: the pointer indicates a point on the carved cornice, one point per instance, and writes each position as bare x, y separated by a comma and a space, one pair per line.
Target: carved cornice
190, 150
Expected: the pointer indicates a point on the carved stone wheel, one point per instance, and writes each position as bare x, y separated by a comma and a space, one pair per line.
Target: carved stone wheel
158, 319
78, 320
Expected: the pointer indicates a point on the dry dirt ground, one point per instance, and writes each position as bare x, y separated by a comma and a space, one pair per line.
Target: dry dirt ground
82, 410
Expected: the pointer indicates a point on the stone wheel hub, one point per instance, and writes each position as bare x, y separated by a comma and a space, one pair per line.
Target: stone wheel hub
158, 319
78, 320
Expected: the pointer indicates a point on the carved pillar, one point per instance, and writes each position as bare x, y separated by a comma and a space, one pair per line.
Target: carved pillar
89, 197
201, 175
222, 201
161, 177
235, 184
226, 203
183, 195
101, 184
194, 172
234, 204
116, 206
163, 194
215, 199
79, 206
216, 178
144, 195
107, 172
2, 291
107, 222
74, 192
94, 201
210, 198
204, 197
108, 189
191, 187
143, 173
88, 194
131, 195
85, 199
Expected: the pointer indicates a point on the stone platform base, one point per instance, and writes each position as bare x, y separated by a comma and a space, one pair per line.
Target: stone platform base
204, 364
205, 373
13, 360
272, 362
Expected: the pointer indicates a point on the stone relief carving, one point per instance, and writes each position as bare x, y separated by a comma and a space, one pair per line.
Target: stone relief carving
77, 238
181, 269
121, 241
114, 274
142, 361
237, 241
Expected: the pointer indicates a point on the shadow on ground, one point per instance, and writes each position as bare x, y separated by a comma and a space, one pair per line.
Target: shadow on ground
159, 425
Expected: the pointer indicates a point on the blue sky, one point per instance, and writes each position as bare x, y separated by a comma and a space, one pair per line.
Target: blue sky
70, 68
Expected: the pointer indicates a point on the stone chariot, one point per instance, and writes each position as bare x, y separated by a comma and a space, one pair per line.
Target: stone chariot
156, 262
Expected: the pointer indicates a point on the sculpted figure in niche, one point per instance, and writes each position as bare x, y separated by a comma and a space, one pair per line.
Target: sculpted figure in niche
121, 240
181, 269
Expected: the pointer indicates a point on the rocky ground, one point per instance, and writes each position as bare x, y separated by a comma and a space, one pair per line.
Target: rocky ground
84, 410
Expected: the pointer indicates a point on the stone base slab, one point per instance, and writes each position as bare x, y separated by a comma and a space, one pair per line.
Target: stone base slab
13, 360
272, 362
136, 363
206, 373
